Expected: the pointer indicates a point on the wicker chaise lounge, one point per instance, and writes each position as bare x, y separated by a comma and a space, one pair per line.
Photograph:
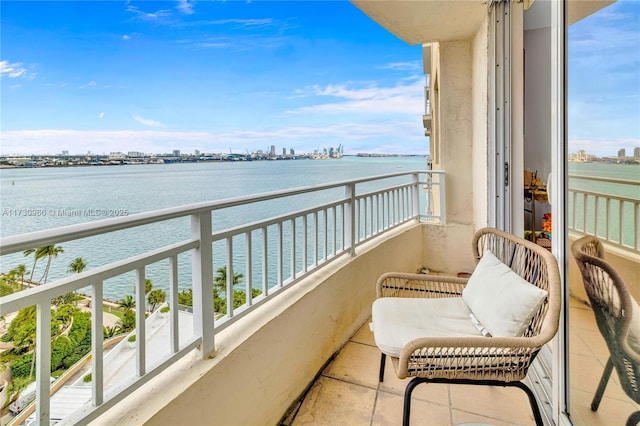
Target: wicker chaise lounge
486, 330
618, 318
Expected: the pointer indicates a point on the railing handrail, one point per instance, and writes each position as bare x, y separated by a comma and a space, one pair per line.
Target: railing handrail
605, 179
21, 242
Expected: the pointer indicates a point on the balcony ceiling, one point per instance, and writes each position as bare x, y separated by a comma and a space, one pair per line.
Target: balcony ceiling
426, 21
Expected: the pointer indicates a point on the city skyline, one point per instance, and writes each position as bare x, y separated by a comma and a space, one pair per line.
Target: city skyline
221, 76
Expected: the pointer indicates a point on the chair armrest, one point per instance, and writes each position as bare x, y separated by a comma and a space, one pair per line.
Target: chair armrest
398, 284
486, 358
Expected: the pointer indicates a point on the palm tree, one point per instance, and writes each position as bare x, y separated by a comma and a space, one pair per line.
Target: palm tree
78, 265
156, 297
21, 269
35, 260
148, 285
50, 252
128, 302
220, 280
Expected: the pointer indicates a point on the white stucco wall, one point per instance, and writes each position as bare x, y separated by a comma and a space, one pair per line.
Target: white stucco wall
456, 128
480, 161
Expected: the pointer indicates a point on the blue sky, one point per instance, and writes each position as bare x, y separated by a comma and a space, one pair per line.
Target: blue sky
218, 76
604, 80
152, 77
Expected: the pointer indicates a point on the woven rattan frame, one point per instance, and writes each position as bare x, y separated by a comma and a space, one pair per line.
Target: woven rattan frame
478, 360
612, 307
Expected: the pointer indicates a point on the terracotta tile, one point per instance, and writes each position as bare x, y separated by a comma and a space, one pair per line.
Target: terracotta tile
610, 412
460, 417
433, 392
364, 335
389, 408
356, 363
585, 373
334, 402
507, 404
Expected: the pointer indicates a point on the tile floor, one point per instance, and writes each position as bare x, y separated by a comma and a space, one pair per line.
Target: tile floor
347, 392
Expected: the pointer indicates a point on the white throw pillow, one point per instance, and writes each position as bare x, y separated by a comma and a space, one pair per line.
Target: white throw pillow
501, 300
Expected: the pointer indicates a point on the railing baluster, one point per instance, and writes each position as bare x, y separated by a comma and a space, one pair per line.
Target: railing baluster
326, 234
316, 252
97, 337
265, 263
636, 221
43, 361
140, 323
335, 231
620, 221
595, 216
305, 242
350, 218
173, 304
248, 273
280, 256
229, 280
607, 217
293, 248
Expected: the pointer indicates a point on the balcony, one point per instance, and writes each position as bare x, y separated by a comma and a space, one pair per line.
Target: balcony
325, 257
301, 352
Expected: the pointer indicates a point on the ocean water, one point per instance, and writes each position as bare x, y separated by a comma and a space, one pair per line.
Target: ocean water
45, 198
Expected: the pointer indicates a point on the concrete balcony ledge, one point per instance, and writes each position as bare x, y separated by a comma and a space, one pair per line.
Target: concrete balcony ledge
264, 362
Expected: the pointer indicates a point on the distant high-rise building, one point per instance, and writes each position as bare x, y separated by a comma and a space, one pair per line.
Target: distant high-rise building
272, 151
196, 152
636, 152
176, 153
622, 153
284, 151
292, 152
65, 152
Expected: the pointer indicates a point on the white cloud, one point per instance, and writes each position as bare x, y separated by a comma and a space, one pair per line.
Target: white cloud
15, 86
402, 66
101, 115
147, 122
148, 16
185, 6
89, 84
126, 37
14, 70
401, 99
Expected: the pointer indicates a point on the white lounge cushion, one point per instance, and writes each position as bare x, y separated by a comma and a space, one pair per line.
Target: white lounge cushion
398, 320
501, 300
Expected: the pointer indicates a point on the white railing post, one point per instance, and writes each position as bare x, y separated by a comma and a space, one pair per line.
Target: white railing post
43, 361
202, 273
416, 196
97, 337
350, 219
141, 338
173, 304
443, 199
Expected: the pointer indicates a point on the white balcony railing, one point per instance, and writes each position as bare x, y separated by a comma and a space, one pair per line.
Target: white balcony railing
273, 254
610, 212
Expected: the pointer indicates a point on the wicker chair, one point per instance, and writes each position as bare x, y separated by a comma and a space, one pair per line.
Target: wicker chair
614, 309
476, 359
